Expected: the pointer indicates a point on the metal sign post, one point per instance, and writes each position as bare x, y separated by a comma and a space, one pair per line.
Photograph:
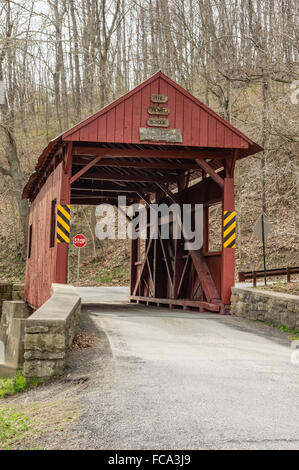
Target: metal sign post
79, 241
78, 267
68, 264
264, 248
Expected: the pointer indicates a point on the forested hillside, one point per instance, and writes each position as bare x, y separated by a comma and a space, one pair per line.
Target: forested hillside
62, 60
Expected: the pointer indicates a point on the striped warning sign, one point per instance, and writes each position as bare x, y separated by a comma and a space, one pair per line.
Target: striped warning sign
229, 229
63, 223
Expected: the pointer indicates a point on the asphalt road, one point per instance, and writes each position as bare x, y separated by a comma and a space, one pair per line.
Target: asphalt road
180, 380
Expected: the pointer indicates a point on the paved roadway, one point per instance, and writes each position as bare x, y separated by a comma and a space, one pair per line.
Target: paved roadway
179, 380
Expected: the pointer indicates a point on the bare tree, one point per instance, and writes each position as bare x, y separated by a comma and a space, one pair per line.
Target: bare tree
14, 170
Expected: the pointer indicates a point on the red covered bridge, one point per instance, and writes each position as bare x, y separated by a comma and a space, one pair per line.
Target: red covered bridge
149, 145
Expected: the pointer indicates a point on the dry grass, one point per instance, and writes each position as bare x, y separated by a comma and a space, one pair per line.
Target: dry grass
83, 341
284, 287
29, 426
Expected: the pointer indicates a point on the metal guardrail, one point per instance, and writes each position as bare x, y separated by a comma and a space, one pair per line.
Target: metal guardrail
254, 275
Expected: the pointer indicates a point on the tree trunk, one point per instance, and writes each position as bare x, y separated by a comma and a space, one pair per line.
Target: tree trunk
264, 140
77, 65
7, 126
17, 181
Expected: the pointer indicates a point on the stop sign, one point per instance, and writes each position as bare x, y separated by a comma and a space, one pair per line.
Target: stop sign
79, 240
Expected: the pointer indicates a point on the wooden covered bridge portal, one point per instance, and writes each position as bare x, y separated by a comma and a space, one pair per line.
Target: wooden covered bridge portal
149, 145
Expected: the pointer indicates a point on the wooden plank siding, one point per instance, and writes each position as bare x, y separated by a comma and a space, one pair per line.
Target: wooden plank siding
120, 121
41, 266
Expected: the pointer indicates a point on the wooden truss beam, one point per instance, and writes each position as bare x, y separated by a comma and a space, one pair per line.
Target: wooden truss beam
145, 199
123, 163
151, 153
144, 266
167, 192
86, 185
179, 302
200, 265
181, 276
205, 277
96, 200
68, 160
230, 164
85, 169
101, 175
208, 169
166, 259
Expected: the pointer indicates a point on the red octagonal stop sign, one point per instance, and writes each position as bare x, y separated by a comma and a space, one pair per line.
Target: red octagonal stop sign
79, 240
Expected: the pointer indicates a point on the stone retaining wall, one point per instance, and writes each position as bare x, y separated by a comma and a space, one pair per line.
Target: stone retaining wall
275, 307
18, 291
12, 330
9, 291
5, 293
50, 331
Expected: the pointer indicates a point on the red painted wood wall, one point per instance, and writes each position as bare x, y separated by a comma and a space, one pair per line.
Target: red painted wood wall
41, 266
120, 122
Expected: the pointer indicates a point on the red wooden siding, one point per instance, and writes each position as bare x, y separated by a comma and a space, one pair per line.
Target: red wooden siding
40, 267
120, 121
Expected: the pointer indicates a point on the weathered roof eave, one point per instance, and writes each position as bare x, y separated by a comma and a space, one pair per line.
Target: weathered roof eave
40, 167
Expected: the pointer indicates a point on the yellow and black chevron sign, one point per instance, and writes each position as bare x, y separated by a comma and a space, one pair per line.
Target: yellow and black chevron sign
63, 223
229, 229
